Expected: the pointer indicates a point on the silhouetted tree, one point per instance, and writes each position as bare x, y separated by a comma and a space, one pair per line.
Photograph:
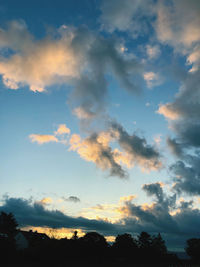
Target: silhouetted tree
158, 245
125, 246
94, 246
8, 228
8, 224
193, 248
95, 239
144, 241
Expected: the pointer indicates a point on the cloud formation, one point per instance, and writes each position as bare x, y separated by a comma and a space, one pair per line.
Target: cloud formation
72, 199
62, 129
37, 63
186, 175
126, 15
42, 138
171, 218
35, 214
135, 150
72, 56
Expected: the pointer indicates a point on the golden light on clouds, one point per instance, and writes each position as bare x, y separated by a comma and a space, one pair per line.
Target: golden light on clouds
167, 111
42, 138
38, 64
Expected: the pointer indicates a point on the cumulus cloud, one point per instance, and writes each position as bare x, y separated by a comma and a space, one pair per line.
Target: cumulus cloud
75, 57
62, 129
183, 114
164, 215
186, 175
95, 148
36, 63
135, 150
42, 138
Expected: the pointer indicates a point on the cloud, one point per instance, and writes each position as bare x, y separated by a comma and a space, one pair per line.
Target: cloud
95, 148
72, 199
153, 52
62, 129
83, 113
186, 175
37, 63
127, 198
59, 136
164, 215
45, 201
168, 111
152, 79
136, 149
178, 22
194, 59
175, 147
126, 15
71, 56
42, 138
35, 214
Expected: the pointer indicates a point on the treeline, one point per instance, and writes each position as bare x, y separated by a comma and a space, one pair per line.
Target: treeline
92, 248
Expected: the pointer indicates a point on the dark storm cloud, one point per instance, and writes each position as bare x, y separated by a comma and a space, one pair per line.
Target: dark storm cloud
186, 144
28, 214
186, 175
176, 227
154, 189
155, 218
188, 133
175, 147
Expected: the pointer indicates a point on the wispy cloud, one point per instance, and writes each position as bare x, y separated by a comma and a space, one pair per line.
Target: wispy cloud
42, 138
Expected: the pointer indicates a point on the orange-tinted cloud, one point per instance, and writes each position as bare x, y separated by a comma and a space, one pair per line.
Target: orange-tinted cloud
42, 138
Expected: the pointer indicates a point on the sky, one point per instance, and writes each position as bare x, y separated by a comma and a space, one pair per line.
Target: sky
99, 111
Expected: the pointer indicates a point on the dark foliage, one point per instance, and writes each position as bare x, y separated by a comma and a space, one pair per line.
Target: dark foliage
193, 249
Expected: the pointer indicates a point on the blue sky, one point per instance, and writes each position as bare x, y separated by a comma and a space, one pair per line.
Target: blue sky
99, 110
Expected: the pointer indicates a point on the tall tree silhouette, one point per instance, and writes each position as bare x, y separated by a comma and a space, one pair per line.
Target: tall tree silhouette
144, 240
158, 245
8, 224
